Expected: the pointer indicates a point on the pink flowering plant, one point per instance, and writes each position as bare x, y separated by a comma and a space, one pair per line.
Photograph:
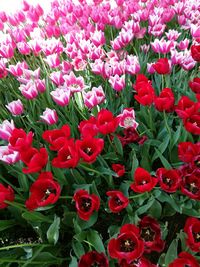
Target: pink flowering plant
99, 134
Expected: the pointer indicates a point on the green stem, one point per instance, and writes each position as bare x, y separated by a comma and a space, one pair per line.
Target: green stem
89, 169
65, 197
16, 205
137, 196
166, 124
34, 256
23, 245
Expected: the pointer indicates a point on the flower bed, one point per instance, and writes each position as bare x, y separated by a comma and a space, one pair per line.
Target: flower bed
99, 134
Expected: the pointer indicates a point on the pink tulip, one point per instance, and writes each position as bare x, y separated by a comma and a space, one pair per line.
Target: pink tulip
183, 45
117, 82
61, 96
23, 48
132, 65
16, 70
127, 119
29, 90
49, 116
94, 97
7, 51
40, 85
6, 129
53, 61
15, 107
3, 71
8, 155
57, 78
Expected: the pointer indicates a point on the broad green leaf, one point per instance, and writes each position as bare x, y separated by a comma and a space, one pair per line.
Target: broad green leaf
171, 252
35, 217
164, 197
155, 210
94, 238
87, 224
118, 145
145, 207
74, 262
164, 161
53, 231
4, 224
77, 248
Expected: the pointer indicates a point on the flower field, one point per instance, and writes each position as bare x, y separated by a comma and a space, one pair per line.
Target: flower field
99, 134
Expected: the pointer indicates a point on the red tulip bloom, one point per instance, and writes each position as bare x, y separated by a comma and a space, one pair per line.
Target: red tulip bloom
132, 136
195, 85
143, 181
6, 194
19, 140
162, 66
141, 262
86, 204
57, 137
44, 191
165, 101
106, 122
128, 245
34, 159
145, 95
192, 123
184, 259
169, 180
89, 148
150, 232
117, 202
141, 82
195, 52
68, 156
190, 184
88, 127
189, 152
119, 169
192, 229
186, 107
93, 258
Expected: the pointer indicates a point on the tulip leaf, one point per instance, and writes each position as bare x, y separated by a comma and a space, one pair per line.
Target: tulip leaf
78, 248
53, 231
95, 240
118, 145
172, 252
87, 224
35, 217
155, 210
73, 262
4, 224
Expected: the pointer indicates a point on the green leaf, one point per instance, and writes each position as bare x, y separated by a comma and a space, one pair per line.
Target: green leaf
4, 224
176, 136
191, 212
118, 145
95, 240
164, 197
87, 224
145, 207
172, 252
155, 210
78, 248
73, 262
135, 164
77, 177
35, 217
165, 163
53, 231
107, 171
